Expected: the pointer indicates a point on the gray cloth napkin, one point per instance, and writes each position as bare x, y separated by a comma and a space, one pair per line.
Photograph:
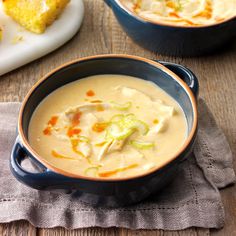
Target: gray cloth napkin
192, 199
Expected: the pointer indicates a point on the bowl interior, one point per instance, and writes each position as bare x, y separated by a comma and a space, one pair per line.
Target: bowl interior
122, 6
109, 65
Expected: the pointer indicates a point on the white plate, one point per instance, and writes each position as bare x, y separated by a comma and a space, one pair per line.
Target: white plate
15, 52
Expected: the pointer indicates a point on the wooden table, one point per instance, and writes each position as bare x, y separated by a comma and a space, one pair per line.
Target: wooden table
101, 34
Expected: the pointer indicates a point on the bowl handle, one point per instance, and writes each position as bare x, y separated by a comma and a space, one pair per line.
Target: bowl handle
44, 180
185, 74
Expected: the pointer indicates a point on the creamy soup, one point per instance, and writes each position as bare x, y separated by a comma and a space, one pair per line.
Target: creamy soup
183, 12
108, 126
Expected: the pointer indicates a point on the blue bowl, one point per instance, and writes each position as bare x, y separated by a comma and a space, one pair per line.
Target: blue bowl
178, 81
171, 39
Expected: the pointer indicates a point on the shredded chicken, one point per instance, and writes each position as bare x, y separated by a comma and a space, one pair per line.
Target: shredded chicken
160, 127
104, 150
85, 148
130, 92
86, 108
116, 145
111, 146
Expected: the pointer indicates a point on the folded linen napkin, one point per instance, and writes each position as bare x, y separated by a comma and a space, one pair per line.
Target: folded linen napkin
192, 199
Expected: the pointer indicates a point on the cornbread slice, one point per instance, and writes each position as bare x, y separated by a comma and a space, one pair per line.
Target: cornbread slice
34, 15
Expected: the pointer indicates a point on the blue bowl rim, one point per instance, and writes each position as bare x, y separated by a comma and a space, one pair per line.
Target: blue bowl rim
48, 165
146, 20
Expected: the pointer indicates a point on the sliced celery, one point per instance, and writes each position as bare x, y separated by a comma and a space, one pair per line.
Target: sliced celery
139, 125
141, 145
131, 122
122, 126
121, 107
117, 118
116, 132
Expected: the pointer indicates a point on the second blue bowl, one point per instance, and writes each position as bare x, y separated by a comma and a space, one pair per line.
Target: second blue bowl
171, 39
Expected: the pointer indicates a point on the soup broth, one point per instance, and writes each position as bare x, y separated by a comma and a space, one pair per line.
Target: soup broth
108, 126
183, 12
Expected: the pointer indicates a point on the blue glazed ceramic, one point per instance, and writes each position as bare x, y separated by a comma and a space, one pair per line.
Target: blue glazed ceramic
176, 80
174, 40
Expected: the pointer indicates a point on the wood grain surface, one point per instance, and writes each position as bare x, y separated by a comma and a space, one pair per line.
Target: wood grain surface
101, 34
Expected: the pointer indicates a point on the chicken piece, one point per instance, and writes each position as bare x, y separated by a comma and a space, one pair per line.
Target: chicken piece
167, 111
104, 150
34, 15
134, 93
93, 107
160, 127
148, 166
158, 7
116, 145
111, 146
192, 8
85, 148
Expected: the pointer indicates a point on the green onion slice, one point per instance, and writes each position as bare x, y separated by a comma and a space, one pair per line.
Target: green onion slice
138, 125
141, 145
122, 126
116, 132
131, 122
117, 118
121, 107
